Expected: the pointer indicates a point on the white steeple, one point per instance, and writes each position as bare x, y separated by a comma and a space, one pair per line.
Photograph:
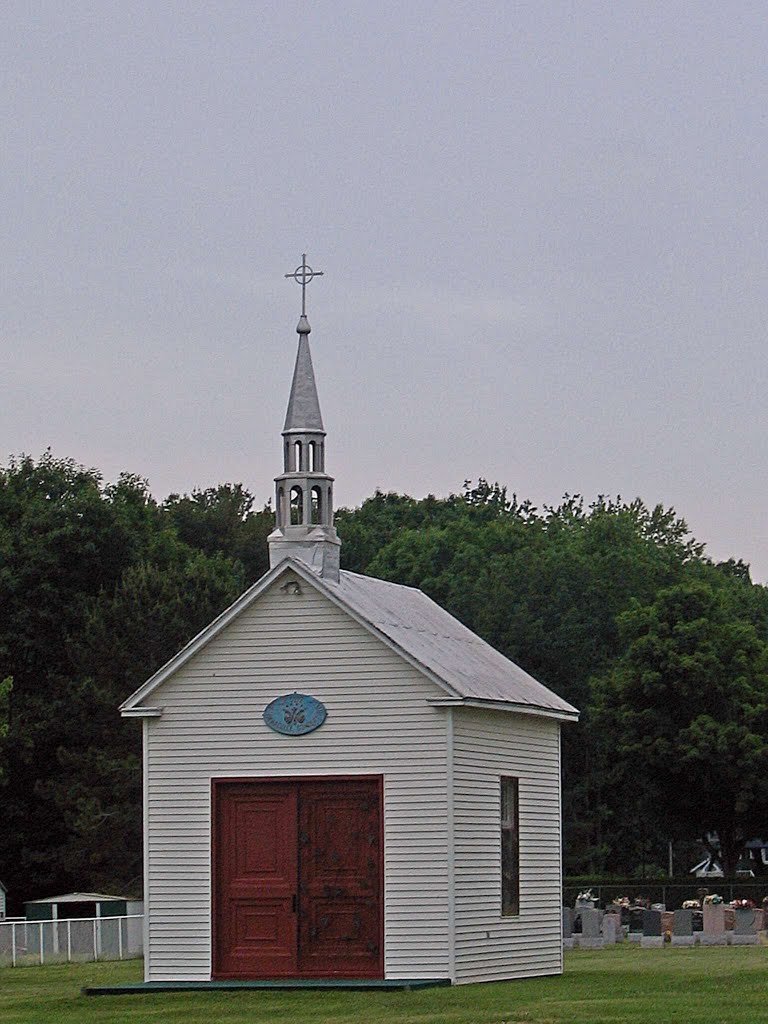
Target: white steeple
304, 492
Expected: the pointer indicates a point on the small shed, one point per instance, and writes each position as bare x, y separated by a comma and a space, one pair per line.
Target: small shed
80, 904
342, 781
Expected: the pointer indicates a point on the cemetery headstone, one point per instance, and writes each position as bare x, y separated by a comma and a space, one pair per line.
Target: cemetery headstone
714, 925
745, 927
568, 942
652, 935
682, 928
635, 932
591, 935
611, 929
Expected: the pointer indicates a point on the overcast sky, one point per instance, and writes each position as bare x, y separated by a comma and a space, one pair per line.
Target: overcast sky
542, 227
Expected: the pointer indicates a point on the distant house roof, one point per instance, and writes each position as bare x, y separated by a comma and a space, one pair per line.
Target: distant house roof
82, 897
459, 661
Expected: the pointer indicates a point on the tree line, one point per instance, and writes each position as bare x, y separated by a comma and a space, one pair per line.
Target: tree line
610, 603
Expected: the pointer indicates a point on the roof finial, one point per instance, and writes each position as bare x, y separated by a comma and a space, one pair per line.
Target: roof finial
303, 275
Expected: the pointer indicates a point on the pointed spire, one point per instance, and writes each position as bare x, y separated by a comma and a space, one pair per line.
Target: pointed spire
303, 491
303, 405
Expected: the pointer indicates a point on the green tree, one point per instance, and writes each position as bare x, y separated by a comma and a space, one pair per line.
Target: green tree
71, 549
221, 520
5, 690
685, 710
60, 543
127, 634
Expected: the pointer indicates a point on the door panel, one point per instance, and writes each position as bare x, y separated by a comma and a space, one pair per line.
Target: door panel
298, 891
256, 885
340, 879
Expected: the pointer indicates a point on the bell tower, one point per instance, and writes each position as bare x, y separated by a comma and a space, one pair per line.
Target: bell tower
303, 491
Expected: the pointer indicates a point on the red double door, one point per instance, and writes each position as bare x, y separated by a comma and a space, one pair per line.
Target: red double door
298, 879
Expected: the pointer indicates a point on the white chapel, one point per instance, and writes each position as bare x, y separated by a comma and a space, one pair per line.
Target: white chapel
342, 783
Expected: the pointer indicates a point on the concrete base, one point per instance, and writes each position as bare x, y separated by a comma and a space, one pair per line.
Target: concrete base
568, 943
744, 940
713, 940
651, 941
683, 940
143, 987
634, 936
591, 943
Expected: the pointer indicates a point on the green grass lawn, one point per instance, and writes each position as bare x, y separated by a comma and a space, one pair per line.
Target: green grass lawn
691, 986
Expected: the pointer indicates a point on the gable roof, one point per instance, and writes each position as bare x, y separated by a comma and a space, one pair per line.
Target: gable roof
413, 625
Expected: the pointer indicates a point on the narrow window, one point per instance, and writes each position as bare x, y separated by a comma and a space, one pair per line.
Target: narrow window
297, 506
297, 457
311, 459
280, 506
316, 506
510, 847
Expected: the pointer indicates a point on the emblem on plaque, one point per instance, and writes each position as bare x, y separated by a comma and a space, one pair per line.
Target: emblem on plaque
295, 714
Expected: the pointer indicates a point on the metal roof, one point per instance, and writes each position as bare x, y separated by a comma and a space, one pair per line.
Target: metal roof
303, 404
456, 659
81, 897
439, 642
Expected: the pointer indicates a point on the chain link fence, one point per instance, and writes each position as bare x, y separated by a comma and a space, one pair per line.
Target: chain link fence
25, 943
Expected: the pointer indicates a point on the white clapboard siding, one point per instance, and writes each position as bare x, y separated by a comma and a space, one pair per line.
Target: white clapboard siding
378, 723
488, 745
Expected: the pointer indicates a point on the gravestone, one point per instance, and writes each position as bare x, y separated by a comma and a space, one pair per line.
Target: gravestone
682, 928
652, 935
714, 925
611, 928
745, 927
591, 935
568, 942
635, 932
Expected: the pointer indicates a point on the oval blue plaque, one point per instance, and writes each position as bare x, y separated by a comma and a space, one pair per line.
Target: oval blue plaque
295, 714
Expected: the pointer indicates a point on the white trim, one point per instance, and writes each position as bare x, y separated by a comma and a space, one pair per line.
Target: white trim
451, 825
145, 852
502, 705
142, 713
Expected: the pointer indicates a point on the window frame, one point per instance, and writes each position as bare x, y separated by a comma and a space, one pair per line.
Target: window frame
509, 837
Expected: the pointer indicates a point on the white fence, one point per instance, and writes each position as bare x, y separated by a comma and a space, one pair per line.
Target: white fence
24, 943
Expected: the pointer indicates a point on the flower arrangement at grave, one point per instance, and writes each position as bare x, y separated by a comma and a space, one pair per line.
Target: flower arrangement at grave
743, 904
691, 904
622, 901
585, 898
714, 899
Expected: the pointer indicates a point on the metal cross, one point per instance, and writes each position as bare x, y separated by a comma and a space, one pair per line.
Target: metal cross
303, 275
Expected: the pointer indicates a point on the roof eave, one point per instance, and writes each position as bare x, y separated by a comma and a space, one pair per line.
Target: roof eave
561, 715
